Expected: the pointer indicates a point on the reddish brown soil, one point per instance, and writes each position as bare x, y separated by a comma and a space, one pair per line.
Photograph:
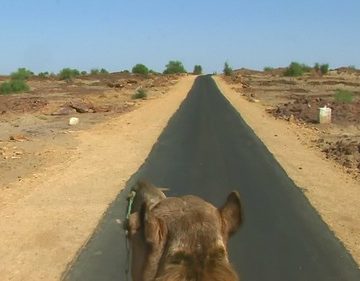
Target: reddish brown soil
298, 99
307, 110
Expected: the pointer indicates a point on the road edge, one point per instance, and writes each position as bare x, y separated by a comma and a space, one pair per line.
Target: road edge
320, 189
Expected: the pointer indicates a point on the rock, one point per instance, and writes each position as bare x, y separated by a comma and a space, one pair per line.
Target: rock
115, 85
18, 138
131, 81
129, 103
73, 121
64, 111
81, 106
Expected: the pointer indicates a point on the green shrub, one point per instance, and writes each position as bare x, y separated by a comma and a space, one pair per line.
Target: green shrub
94, 71
21, 74
305, 67
227, 69
13, 86
324, 68
104, 71
317, 67
294, 69
68, 74
43, 74
174, 67
139, 94
197, 69
268, 68
5, 88
19, 86
153, 72
83, 73
343, 96
140, 69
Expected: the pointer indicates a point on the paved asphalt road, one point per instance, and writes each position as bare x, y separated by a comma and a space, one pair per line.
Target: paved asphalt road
208, 150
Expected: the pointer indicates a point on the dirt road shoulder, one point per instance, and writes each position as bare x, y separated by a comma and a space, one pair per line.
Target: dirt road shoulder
334, 194
41, 231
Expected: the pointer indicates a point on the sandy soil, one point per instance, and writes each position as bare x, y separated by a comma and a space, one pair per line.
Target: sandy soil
34, 130
334, 193
48, 214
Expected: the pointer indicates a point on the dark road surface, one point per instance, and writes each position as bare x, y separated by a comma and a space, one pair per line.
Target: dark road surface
208, 150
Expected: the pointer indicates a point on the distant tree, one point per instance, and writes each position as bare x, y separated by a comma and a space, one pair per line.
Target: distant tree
43, 74
305, 67
21, 74
294, 69
227, 69
268, 68
83, 72
174, 67
324, 68
321, 68
94, 71
68, 74
197, 69
103, 71
317, 67
140, 69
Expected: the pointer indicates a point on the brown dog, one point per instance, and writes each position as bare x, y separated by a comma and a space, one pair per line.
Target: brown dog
181, 238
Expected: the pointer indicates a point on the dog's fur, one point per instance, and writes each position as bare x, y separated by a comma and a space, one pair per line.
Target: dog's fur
181, 238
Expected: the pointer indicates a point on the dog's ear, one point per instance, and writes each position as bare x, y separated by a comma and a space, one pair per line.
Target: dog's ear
148, 193
133, 224
154, 228
231, 214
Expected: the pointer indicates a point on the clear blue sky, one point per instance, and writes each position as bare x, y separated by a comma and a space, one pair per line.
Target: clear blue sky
47, 35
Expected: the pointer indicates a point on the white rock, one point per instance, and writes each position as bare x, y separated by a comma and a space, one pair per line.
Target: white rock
73, 121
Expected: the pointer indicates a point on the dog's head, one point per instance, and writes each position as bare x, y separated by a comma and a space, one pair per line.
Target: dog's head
185, 238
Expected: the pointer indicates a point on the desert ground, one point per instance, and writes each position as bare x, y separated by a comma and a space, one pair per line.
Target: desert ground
34, 126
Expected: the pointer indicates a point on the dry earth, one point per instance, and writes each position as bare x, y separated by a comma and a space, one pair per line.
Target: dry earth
297, 99
333, 191
60, 181
34, 125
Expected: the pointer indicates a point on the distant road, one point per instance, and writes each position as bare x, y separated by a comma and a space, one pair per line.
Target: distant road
208, 150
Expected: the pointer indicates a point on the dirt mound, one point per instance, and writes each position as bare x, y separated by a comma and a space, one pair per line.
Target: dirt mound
246, 71
14, 104
307, 109
347, 70
345, 151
